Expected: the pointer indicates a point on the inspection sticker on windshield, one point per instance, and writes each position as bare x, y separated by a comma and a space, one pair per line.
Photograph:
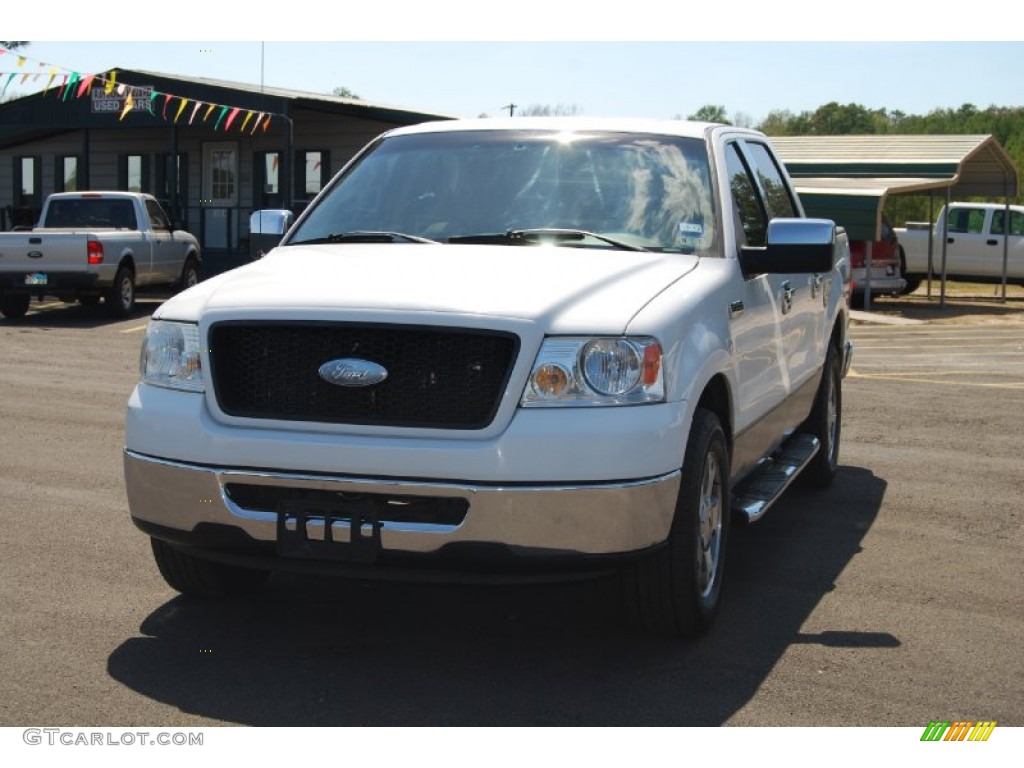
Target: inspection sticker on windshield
689, 229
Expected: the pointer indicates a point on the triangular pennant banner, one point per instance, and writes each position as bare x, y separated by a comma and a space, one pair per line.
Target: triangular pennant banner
181, 108
83, 87
223, 111
128, 104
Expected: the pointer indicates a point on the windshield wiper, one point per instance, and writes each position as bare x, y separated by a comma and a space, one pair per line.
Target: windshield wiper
364, 236
534, 236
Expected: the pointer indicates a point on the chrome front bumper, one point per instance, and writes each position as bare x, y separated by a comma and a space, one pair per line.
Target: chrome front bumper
609, 518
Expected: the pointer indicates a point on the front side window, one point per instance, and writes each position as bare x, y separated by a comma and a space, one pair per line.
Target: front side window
775, 189
157, 217
967, 221
643, 190
753, 220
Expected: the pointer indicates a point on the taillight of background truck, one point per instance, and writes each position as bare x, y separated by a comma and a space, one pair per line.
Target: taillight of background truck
95, 252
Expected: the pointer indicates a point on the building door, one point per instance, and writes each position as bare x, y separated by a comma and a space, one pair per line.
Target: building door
220, 193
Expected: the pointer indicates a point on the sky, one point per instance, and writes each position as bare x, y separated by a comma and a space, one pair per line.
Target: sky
634, 79
606, 61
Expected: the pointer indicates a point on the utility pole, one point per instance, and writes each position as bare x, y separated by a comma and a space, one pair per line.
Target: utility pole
511, 109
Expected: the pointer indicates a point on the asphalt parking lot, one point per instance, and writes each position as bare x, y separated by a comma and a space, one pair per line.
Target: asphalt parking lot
894, 598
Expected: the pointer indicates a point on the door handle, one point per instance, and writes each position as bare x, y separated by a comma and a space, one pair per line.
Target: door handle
787, 297
992, 242
949, 240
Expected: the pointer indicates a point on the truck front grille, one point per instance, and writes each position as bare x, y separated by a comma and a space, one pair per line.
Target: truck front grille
448, 378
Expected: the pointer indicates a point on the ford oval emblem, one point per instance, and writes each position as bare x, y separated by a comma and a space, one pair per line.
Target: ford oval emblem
352, 372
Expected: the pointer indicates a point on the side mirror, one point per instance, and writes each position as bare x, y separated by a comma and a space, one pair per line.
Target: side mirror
793, 246
266, 228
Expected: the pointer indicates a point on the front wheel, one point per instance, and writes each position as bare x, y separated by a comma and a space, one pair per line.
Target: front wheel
189, 274
676, 591
194, 576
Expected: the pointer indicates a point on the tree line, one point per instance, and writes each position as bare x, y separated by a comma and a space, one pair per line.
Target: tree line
1005, 124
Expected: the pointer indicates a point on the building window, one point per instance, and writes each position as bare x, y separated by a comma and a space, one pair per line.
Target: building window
67, 174
27, 181
312, 170
220, 173
267, 179
134, 173
271, 173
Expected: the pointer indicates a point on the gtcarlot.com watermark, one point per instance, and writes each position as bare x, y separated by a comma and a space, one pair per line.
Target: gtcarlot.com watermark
78, 737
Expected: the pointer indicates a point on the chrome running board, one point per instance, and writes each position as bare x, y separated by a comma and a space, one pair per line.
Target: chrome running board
756, 493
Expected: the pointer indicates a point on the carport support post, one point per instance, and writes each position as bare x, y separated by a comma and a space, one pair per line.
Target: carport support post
1006, 232
931, 240
867, 275
945, 241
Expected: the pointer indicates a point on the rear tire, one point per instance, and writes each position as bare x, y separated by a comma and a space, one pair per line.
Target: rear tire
826, 423
676, 591
120, 297
15, 305
204, 578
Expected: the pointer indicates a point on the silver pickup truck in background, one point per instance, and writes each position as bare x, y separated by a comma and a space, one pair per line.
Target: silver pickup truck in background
93, 245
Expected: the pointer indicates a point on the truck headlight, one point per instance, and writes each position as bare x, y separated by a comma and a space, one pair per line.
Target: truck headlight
170, 356
576, 371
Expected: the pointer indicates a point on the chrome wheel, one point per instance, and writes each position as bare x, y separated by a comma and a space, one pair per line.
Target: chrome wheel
676, 591
832, 415
709, 536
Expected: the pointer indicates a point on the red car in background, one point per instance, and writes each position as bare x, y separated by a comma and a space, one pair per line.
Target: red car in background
886, 273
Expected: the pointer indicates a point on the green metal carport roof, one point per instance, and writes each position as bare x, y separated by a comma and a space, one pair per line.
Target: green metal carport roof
848, 178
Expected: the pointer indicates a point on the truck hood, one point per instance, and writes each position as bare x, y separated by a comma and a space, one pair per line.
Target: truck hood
568, 290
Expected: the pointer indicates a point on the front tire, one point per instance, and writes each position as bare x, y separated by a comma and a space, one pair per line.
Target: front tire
676, 592
189, 274
196, 577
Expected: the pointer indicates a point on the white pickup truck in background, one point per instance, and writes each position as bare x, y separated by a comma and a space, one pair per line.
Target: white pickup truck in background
974, 245
93, 245
509, 347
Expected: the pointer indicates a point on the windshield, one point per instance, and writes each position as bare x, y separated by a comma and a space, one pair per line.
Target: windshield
638, 190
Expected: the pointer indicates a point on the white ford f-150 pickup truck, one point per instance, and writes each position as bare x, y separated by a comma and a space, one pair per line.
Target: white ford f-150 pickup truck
93, 245
502, 347
975, 245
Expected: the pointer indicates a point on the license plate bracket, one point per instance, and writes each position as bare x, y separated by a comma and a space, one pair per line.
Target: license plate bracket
316, 530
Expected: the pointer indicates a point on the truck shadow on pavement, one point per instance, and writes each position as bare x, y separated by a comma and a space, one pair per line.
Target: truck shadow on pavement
315, 651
